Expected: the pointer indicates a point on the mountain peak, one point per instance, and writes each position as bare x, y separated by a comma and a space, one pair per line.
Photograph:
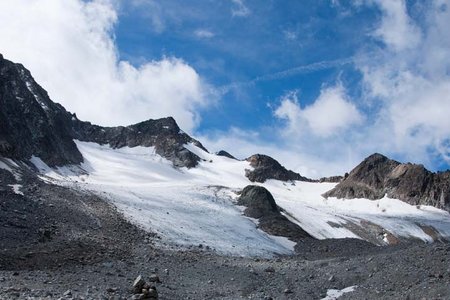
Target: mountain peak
376, 157
265, 167
32, 124
378, 176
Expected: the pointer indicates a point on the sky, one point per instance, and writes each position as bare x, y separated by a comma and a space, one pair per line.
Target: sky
317, 84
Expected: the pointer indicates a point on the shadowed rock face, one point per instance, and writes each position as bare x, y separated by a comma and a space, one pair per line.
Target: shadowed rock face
334, 179
258, 200
261, 205
163, 134
226, 154
32, 124
378, 175
265, 167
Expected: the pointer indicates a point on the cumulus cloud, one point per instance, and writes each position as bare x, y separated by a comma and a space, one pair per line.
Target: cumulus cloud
330, 113
243, 143
397, 29
70, 49
410, 80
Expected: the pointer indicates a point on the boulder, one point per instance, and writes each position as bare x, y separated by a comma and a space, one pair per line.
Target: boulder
261, 205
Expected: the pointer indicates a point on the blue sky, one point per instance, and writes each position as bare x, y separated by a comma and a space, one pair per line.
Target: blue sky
319, 85
228, 49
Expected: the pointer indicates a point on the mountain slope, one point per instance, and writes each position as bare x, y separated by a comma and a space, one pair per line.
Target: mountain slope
32, 124
378, 176
166, 182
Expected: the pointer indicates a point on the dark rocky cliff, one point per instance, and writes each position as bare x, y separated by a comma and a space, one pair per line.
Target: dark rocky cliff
30, 123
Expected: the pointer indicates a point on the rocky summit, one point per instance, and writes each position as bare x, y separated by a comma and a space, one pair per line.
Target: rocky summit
32, 124
265, 167
378, 176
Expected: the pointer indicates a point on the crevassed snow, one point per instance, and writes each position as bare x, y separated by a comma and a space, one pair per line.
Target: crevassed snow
335, 294
195, 206
181, 206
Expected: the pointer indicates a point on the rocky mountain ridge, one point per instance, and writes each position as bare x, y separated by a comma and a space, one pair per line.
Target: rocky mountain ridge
378, 176
32, 124
265, 167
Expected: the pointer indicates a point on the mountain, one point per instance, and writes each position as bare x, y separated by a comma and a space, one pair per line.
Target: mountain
265, 167
32, 124
167, 182
378, 176
80, 203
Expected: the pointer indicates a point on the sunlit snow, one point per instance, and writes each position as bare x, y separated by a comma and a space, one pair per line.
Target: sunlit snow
196, 206
335, 294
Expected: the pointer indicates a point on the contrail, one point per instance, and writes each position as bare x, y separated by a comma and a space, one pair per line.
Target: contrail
322, 65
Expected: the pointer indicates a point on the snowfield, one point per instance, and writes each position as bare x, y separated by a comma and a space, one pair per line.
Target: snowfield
189, 207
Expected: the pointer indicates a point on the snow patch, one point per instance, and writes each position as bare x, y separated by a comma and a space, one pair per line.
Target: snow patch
36, 96
335, 294
16, 188
12, 167
4, 166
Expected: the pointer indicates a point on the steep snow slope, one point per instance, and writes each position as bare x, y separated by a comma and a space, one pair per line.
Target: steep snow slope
195, 206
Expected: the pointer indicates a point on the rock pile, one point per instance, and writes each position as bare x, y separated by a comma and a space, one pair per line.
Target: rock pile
145, 290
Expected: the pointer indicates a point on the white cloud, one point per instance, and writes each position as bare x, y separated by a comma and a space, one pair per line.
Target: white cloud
239, 9
242, 144
331, 113
70, 49
204, 33
397, 30
412, 86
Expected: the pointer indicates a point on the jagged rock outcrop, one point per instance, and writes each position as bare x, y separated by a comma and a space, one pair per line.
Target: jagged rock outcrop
32, 124
226, 154
163, 134
333, 179
265, 167
378, 175
261, 205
